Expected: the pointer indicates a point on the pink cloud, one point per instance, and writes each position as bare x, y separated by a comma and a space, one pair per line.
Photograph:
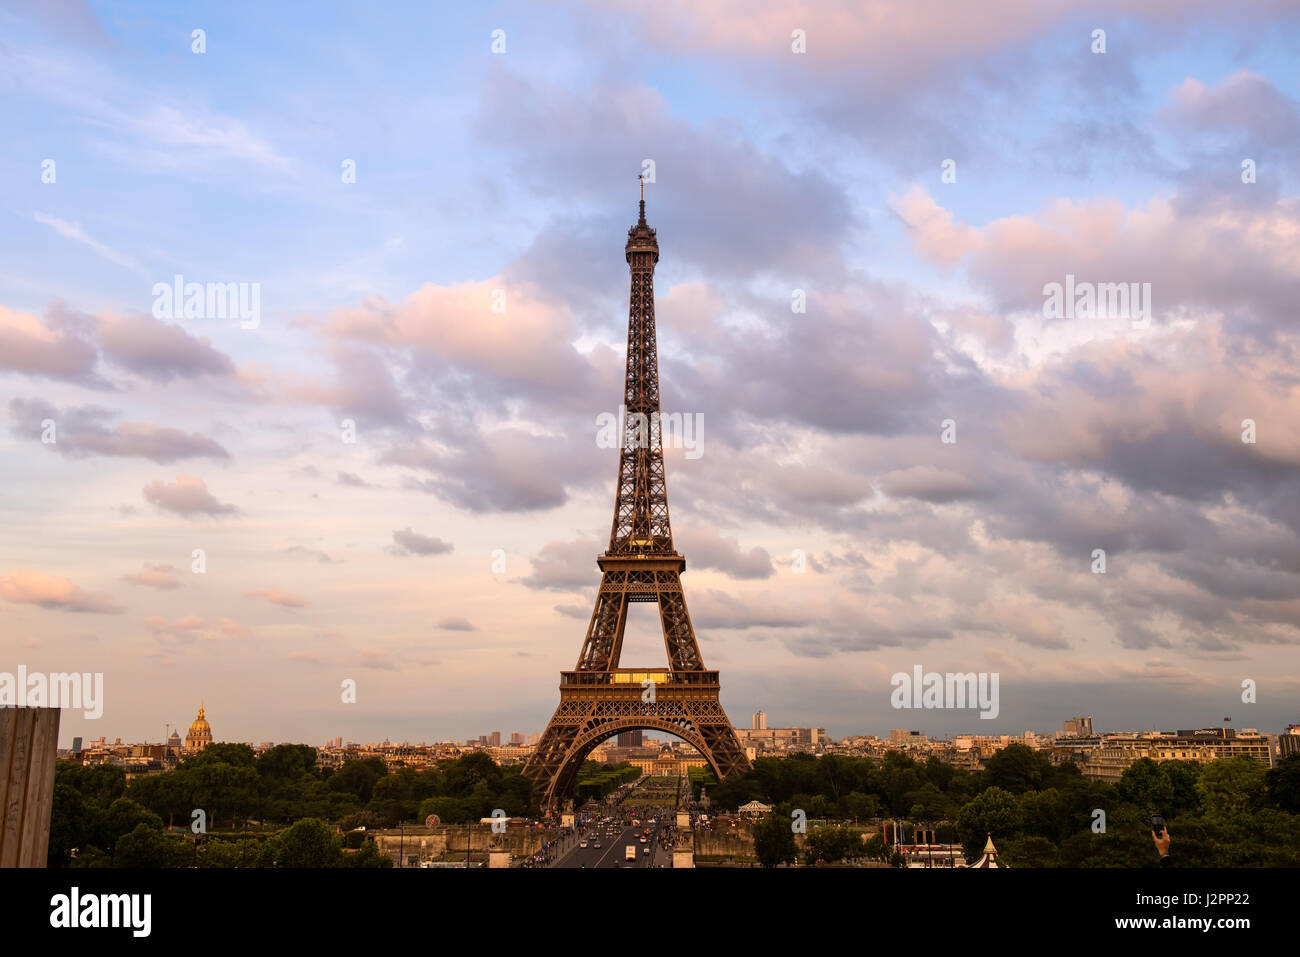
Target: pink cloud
155, 576
53, 592
277, 596
188, 495
528, 342
29, 346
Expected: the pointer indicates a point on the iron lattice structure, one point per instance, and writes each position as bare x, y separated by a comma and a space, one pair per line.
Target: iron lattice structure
599, 699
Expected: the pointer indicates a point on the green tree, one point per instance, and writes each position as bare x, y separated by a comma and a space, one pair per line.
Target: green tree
368, 855
1017, 768
1028, 851
236, 755
1232, 786
358, 777
928, 803
860, 807
774, 842
466, 773
1283, 784
68, 819
99, 784
1182, 777
1126, 841
366, 819
286, 762
833, 844
1146, 785
993, 811
227, 792
899, 777
244, 852
143, 847
306, 843
122, 817
1048, 814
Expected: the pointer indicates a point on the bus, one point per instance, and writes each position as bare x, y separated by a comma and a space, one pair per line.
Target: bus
629, 853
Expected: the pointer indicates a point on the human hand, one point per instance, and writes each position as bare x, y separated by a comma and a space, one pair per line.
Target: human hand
1161, 841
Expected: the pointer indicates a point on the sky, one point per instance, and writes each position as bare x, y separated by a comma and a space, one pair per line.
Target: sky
430, 202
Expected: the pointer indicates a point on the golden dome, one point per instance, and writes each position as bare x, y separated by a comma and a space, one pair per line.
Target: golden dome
200, 734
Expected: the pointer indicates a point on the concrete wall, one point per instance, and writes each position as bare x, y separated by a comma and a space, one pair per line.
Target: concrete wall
731, 842
453, 839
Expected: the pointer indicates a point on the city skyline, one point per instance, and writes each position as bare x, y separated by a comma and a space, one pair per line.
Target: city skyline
393, 474
530, 737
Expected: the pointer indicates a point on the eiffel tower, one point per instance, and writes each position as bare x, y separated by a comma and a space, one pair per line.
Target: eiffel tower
598, 698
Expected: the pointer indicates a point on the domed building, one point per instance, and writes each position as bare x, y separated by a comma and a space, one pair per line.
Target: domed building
200, 733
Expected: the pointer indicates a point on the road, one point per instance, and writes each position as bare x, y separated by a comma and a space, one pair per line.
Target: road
613, 839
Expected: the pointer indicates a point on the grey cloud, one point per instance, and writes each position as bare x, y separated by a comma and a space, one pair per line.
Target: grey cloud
413, 543
928, 483
1244, 102
81, 432
565, 566
506, 470
717, 196
708, 548
455, 623
161, 351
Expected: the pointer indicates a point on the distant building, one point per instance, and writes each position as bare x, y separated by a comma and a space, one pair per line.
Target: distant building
516, 738
509, 754
495, 740
200, 733
1073, 749
760, 721
968, 759
631, 739
76, 744
902, 738
1116, 752
782, 739
1288, 742
1078, 727
666, 764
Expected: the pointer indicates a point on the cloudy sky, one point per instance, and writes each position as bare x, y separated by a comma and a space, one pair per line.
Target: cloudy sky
464, 302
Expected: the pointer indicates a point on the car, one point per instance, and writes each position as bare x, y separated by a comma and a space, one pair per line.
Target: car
642, 838
583, 844
645, 850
